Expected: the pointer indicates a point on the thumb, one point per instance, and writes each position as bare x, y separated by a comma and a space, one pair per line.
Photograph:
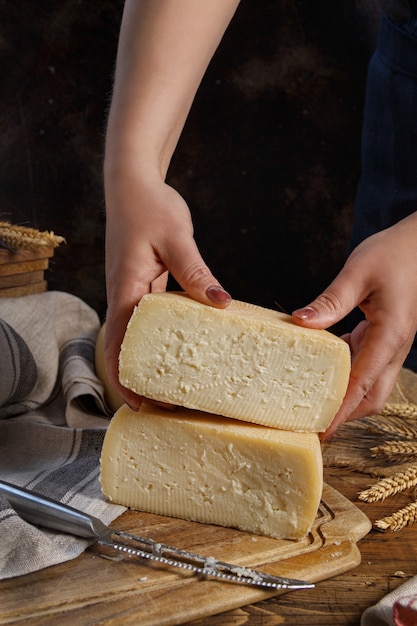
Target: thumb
332, 305
193, 275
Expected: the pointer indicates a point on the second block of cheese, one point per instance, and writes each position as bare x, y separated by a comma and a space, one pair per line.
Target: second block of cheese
209, 469
244, 362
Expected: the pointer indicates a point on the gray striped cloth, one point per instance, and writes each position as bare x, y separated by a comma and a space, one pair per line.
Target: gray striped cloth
52, 422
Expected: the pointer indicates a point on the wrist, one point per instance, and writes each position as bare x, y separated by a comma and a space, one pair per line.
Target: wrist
127, 184
137, 139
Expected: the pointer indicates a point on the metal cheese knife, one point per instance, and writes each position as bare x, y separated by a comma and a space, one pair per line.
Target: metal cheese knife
42, 511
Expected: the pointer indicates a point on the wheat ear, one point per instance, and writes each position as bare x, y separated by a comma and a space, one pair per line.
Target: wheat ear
398, 520
400, 409
25, 238
391, 450
390, 485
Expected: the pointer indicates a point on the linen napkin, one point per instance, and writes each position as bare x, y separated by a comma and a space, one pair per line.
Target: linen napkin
398, 608
53, 419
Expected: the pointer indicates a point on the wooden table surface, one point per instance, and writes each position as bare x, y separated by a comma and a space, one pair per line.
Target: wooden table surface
388, 560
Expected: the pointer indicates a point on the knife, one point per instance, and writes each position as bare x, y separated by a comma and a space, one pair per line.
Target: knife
43, 511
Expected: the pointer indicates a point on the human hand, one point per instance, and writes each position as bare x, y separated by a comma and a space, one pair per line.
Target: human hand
149, 235
380, 277
164, 49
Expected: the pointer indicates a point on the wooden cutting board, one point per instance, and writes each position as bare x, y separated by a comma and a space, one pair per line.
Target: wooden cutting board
101, 587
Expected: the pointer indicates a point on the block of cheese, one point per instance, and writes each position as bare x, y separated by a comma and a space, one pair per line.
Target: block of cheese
245, 362
214, 470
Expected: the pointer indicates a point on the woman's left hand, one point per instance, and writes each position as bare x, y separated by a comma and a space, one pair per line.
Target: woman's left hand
380, 277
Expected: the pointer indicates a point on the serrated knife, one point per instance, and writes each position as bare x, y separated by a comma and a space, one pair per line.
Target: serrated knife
43, 511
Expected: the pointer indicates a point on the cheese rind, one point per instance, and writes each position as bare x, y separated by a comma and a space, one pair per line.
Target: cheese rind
113, 399
214, 470
244, 362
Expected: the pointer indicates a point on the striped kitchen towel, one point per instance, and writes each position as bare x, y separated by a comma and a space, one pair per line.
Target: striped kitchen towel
53, 420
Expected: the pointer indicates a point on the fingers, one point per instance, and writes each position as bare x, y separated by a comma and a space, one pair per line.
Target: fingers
143, 268
116, 322
378, 353
380, 344
339, 299
359, 402
159, 284
191, 272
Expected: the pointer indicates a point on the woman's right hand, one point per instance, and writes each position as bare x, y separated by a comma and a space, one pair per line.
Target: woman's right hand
149, 236
164, 49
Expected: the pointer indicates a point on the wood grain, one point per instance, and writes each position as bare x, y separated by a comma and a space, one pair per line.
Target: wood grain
23, 267
8, 257
22, 273
24, 290
388, 560
18, 280
101, 588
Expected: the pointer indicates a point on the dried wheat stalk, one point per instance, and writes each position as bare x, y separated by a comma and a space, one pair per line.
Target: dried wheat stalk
392, 425
396, 450
391, 485
400, 409
391, 436
398, 520
25, 238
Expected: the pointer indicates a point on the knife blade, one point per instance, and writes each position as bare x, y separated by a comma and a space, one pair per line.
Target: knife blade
40, 510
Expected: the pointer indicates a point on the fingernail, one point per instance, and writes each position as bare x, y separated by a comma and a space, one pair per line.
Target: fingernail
308, 313
217, 294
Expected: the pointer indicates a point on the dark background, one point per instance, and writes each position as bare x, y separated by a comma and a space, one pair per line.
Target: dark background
268, 161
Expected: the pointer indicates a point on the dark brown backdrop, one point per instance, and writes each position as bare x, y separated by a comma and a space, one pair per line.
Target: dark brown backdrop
268, 161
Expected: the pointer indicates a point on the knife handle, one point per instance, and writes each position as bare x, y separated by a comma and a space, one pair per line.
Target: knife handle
43, 511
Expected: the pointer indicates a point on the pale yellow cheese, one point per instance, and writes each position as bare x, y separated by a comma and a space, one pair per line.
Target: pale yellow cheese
244, 362
214, 470
111, 395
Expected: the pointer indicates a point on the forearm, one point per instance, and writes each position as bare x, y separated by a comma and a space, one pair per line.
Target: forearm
164, 49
